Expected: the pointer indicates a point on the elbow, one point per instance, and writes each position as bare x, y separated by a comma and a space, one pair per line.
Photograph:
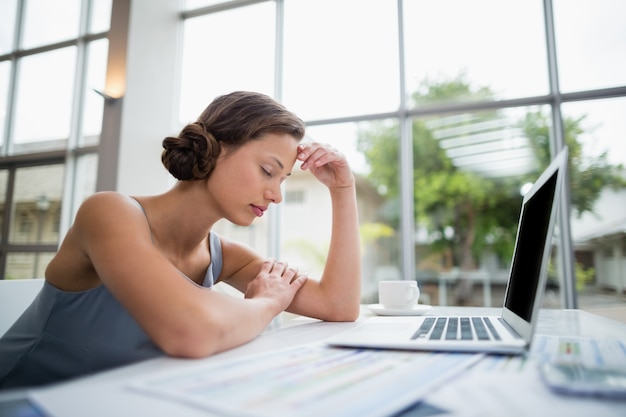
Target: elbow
344, 307
345, 312
351, 314
185, 350
192, 341
187, 347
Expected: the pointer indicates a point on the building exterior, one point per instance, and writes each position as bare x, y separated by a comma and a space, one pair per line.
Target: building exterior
600, 240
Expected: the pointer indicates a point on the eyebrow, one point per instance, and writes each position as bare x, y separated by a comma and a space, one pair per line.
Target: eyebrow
280, 164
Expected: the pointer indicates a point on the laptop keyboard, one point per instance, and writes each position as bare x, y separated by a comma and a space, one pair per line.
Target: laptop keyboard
457, 328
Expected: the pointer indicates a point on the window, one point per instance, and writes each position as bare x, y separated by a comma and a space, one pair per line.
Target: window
237, 59
589, 38
294, 197
340, 63
503, 49
50, 123
445, 111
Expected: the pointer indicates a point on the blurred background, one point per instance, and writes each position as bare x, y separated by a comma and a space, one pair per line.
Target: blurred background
447, 110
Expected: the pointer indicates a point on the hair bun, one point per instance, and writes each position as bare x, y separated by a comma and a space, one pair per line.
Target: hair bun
192, 154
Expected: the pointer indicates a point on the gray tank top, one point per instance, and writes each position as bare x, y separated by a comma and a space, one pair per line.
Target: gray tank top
63, 334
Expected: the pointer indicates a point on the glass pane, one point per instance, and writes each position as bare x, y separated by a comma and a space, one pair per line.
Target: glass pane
590, 41
482, 43
219, 57
44, 100
84, 180
5, 74
100, 16
94, 104
8, 18
4, 176
26, 265
341, 58
47, 22
595, 131
37, 204
307, 242
469, 173
469, 170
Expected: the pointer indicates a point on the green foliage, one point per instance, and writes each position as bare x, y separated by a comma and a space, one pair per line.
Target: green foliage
371, 232
309, 250
584, 276
589, 175
482, 212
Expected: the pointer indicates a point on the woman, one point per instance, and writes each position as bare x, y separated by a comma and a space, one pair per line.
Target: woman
130, 280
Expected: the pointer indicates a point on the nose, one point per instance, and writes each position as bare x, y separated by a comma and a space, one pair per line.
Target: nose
274, 194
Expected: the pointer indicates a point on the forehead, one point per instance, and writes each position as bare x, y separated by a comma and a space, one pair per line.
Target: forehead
281, 146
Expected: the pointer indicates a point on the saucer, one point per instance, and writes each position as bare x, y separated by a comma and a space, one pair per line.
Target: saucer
417, 310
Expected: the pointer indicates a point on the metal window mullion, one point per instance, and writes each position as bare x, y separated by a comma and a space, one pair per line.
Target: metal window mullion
565, 258
13, 80
234, 4
612, 92
78, 99
80, 70
8, 133
407, 217
7, 143
6, 221
275, 215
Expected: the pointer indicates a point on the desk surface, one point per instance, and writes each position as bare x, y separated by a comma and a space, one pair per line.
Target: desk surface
105, 394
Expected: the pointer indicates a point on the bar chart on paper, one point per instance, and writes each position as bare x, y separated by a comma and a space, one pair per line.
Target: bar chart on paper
310, 380
601, 354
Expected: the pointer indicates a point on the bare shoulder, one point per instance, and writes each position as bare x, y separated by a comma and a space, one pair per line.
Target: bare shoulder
105, 201
102, 217
106, 210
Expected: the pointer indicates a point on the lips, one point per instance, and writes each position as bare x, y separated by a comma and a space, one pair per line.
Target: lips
258, 210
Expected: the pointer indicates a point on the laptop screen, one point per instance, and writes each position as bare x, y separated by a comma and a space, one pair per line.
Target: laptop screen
529, 250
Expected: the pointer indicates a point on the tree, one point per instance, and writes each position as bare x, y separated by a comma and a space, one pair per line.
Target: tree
464, 211
589, 175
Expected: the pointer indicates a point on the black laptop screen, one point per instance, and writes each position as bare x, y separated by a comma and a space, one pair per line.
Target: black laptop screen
529, 248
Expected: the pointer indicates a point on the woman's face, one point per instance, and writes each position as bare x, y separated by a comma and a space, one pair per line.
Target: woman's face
246, 180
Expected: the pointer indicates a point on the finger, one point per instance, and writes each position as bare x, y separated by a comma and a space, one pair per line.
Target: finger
306, 150
327, 158
290, 273
267, 265
279, 267
298, 275
318, 156
299, 280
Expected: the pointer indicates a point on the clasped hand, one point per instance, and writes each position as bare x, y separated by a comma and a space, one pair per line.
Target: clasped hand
277, 282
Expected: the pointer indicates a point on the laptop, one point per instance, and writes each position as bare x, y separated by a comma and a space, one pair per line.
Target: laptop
510, 332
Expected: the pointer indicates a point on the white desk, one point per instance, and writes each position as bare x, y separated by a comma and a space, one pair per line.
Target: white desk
106, 395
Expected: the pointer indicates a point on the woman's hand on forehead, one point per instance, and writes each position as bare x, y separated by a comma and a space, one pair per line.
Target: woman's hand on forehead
326, 163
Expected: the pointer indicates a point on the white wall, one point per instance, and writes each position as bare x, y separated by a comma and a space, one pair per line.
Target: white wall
150, 102
608, 211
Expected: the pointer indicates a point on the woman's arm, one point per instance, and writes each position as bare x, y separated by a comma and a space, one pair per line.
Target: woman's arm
182, 318
336, 297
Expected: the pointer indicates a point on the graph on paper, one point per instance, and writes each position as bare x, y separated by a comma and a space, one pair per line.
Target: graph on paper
310, 380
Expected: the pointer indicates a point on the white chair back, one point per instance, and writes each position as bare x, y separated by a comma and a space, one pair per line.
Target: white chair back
15, 296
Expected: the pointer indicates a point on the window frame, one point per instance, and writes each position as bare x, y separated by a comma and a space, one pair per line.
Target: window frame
67, 155
554, 99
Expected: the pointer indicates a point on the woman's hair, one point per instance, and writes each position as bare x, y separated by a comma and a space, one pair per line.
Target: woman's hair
229, 121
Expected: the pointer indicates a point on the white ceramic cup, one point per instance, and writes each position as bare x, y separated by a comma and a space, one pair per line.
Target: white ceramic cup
398, 294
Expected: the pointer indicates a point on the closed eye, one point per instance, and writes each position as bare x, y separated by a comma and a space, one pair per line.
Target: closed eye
266, 172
